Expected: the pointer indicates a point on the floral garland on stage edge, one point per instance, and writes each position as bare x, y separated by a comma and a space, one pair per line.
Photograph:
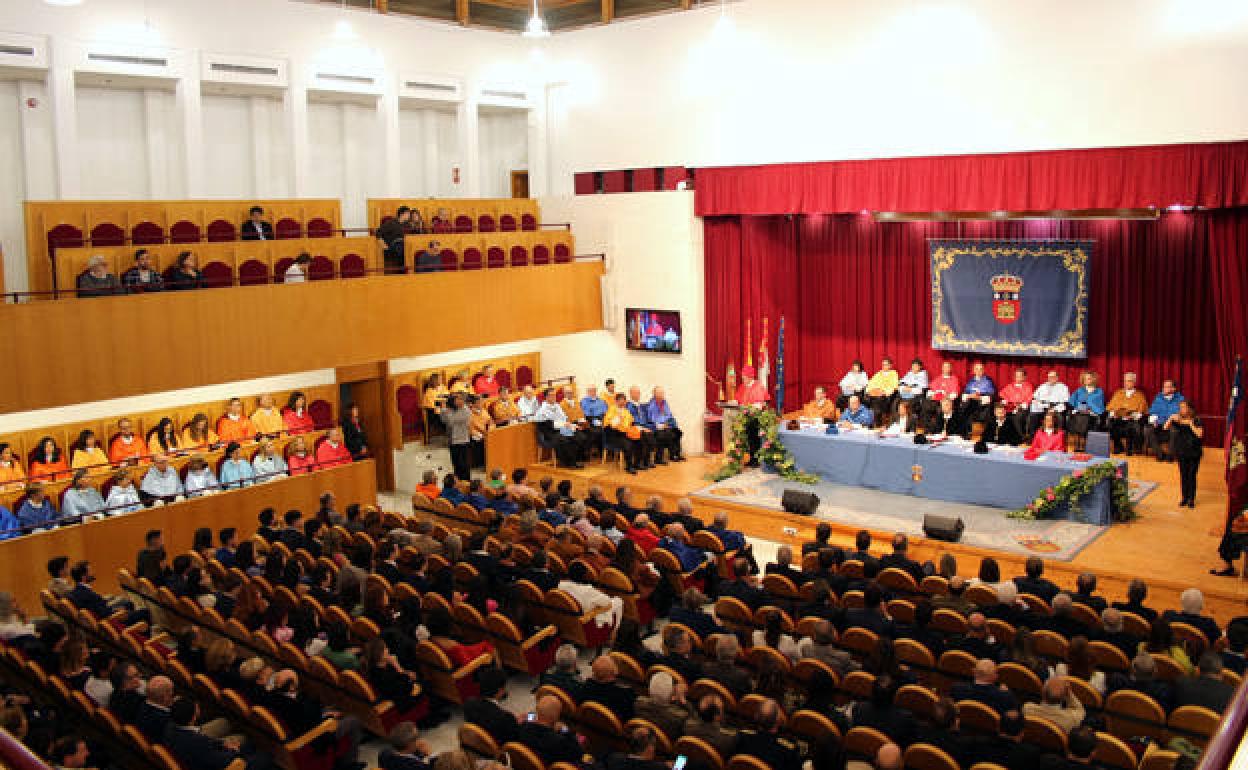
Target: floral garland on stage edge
1071, 489
772, 453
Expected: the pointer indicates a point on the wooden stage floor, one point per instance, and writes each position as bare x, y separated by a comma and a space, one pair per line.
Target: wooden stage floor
1171, 548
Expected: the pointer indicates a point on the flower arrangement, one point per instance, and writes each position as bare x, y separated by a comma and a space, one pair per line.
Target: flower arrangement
1071, 489
771, 453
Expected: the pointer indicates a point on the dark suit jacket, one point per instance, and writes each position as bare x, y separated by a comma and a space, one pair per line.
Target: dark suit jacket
796, 575
125, 705
299, 714
491, 717
908, 566
700, 623
1148, 613
617, 698
737, 680
1041, 587
1157, 689
778, 753
753, 597
247, 231
1206, 624
84, 597
550, 744
1005, 433
392, 573
152, 722
197, 751
1091, 601
542, 578
1213, 694
952, 425
990, 695
871, 620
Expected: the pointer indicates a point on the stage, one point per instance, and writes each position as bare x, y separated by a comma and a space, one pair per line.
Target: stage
1172, 548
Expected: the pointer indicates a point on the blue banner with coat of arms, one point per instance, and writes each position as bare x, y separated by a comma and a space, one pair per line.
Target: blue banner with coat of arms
1011, 297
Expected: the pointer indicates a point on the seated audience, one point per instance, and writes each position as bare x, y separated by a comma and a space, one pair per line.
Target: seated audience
295, 414
126, 447
36, 510
123, 497
332, 452
86, 452
984, 688
1192, 603
198, 434
486, 710
236, 471
1141, 677
665, 705
724, 669
1206, 688
161, 483
47, 462
185, 274
707, 723
98, 280
765, 741
267, 464
1033, 581
1058, 704
234, 425
299, 460
81, 498
407, 750
548, 737
601, 687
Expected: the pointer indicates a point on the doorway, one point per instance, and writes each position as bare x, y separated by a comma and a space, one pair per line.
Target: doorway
520, 184
365, 386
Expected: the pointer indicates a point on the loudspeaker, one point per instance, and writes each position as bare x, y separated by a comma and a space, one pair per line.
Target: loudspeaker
797, 501
947, 528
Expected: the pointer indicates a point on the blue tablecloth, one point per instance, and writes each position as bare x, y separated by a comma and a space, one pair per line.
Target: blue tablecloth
954, 473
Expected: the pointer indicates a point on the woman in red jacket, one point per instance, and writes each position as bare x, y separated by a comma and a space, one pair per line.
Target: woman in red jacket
299, 459
1049, 438
296, 416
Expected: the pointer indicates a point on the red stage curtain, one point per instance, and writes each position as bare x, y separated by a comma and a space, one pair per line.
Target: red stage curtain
1211, 175
852, 288
1228, 254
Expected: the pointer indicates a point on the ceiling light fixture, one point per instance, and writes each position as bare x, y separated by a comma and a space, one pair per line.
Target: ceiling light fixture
63, 2
537, 25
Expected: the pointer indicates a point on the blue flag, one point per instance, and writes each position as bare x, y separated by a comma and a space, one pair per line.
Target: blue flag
780, 370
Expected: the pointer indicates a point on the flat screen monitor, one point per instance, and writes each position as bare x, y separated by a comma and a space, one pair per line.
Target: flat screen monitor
655, 331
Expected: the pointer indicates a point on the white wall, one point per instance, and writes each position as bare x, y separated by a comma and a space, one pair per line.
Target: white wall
655, 247
245, 152
504, 148
802, 80
129, 144
16, 421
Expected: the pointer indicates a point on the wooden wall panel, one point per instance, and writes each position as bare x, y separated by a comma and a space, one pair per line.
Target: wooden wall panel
77, 350
113, 543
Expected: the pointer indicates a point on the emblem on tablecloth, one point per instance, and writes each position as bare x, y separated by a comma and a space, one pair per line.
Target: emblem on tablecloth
1005, 303
916, 473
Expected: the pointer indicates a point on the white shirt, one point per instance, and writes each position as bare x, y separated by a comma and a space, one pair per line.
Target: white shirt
99, 690
123, 500
1050, 396
913, 384
589, 597
853, 382
162, 484
198, 482
902, 425
295, 274
528, 406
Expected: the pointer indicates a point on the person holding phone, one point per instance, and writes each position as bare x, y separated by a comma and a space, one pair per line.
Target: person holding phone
1186, 444
642, 747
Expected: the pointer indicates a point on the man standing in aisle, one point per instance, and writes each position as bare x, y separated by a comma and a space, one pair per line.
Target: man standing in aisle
391, 233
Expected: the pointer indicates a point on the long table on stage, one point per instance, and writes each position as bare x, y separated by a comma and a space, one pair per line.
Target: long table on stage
952, 472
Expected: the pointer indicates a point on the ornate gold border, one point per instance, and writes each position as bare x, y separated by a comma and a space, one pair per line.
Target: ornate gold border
1075, 256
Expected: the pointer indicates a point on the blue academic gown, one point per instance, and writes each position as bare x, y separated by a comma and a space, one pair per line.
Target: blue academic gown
9, 525
980, 386
1093, 401
1163, 409
594, 409
861, 417
30, 516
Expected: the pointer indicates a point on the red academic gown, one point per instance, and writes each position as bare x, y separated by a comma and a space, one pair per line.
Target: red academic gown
330, 456
754, 393
297, 423
485, 386
1049, 442
299, 465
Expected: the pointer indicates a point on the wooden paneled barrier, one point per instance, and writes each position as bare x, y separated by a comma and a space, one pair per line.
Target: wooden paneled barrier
115, 222
404, 392
72, 350
474, 208
112, 543
26, 441
473, 251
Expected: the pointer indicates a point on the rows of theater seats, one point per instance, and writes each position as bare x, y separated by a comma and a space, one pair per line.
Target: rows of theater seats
536, 616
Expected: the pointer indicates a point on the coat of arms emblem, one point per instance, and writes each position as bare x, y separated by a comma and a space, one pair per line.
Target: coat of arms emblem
1005, 293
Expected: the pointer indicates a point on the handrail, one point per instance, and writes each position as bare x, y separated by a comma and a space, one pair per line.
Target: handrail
15, 755
301, 234
1226, 741
236, 280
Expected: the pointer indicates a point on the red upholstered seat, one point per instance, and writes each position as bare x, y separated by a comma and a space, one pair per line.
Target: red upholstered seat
507, 223
107, 234
218, 275
524, 376
541, 254
64, 237
528, 222
253, 272
441, 225
472, 259
352, 266
320, 268
287, 228
486, 224
320, 228
519, 256
495, 257
463, 223
407, 399
147, 234
220, 231
280, 267
504, 377
183, 231
450, 260
322, 414
562, 253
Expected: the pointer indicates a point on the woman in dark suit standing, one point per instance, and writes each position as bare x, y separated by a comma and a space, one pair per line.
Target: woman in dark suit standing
1186, 441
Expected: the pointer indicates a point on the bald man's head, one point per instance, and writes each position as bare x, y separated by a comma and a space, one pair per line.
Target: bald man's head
160, 690
985, 672
549, 710
603, 669
888, 757
1055, 689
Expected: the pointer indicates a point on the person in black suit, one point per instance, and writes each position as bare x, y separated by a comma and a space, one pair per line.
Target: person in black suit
765, 742
1206, 688
1062, 621
871, 615
255, 228
985, 689
1001, 429
84, 597
947, 422
549, 737
689, 613
602, 688
265, 529
150, 562
1085, 587
126, 698
1113, 632
1033, 581
898, 559
565, 674
976, 639
1193, 603
299, 713
486, 711
784, 566
538, 574
741, 588
1137, 592
197, 751
862, 545
152, 718
823, 531
292, 534
642, 745
386, 566
407, 751
1142, 678
879, 712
